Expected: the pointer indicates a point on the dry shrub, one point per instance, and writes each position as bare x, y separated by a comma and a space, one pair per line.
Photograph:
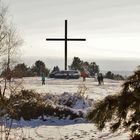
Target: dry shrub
27, 105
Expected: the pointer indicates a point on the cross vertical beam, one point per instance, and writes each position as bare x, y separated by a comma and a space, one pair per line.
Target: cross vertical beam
65, 39
66, 33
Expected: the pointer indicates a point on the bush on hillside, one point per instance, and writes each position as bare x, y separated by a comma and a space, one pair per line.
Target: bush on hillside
28, 104
113, 76
122, 110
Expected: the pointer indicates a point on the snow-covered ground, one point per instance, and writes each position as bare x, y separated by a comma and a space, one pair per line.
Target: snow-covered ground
57, 129
59, 86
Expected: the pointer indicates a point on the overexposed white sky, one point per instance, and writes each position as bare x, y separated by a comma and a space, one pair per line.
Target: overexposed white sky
111, 27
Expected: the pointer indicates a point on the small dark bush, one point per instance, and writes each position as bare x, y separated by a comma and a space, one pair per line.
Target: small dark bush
27, 105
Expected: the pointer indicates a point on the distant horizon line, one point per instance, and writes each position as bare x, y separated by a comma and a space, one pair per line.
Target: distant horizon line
104, 64
87, 58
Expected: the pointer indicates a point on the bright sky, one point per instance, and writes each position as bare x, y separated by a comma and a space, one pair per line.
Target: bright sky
111, 27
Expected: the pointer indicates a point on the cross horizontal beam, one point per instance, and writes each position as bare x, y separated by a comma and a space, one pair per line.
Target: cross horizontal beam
63, 39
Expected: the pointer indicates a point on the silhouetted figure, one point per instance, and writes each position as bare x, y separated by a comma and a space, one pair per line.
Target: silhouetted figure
100, 78
43, 79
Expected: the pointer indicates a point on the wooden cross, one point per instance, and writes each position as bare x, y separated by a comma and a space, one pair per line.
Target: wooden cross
66, 39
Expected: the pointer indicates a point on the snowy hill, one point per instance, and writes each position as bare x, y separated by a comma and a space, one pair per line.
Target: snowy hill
62, 91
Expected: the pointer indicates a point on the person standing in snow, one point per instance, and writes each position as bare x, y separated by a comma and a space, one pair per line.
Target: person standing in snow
84, 75
43, 79
100, 78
